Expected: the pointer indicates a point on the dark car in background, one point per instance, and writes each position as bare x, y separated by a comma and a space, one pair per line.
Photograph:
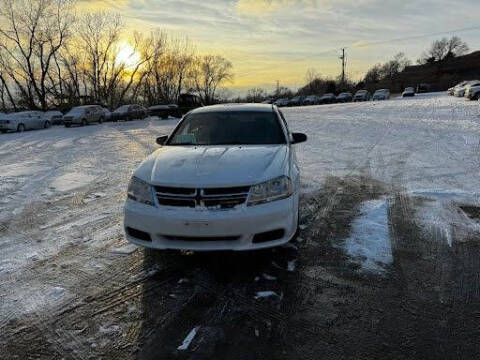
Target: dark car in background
345, 97
311, 100
164, 111
188, 102
408, 92
296, 101
54, 116
329, 98
129, 113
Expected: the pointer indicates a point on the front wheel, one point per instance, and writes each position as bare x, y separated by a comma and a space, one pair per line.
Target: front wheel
67, 125
47, 125
100, 121
21, 128
84, 122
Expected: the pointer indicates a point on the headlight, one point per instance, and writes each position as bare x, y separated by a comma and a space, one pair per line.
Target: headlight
140, 191
276, 189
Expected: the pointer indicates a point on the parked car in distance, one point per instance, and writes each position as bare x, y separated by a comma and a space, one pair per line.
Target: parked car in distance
296, 101
451, 91
129, 113
84, 115
460, 91
25, 120
55, 117
311, 100
361, 95
267, 101
282, 102
345, 97
237, 189
472, 91
381, 94
408, 92
188, 102
329, 98
108, 114
162, 111
423, 88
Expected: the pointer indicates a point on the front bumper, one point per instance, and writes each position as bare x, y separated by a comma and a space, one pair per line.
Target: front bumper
7, 127
166, 225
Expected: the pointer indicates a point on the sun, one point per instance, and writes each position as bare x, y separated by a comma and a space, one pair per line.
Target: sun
127, 55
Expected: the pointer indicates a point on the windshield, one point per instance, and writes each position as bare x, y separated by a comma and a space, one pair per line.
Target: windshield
76, 111
229, 128
122, 108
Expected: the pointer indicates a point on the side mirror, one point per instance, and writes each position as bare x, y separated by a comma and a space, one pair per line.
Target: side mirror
162, 139
298, 138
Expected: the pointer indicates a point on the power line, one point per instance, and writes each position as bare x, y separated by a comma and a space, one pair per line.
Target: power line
364, 45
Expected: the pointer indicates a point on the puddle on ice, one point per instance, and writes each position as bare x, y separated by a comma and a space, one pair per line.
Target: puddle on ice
369, 243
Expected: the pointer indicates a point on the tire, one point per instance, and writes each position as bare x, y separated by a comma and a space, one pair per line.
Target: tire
47, 125
68, 125
20, 128
101, 120
3, 131
84, 122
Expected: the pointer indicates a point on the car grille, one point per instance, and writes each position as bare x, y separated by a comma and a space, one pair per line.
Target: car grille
210, 198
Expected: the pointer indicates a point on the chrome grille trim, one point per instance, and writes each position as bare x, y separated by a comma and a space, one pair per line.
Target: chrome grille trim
211, 198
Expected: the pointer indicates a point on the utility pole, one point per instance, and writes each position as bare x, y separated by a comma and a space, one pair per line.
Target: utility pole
278, 88
343, 58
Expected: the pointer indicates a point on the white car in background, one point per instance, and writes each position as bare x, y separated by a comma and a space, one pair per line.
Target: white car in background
25, 120
451, 91
227, 178
460, 91
381, 94
472, 92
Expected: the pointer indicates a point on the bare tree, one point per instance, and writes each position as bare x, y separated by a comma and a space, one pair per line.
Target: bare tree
256, 95
442, 49
210, 72
31, 34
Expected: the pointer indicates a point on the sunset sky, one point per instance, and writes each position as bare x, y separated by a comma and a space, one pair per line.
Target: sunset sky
268, 40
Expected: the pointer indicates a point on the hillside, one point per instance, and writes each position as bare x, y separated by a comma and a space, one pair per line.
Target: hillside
440, 76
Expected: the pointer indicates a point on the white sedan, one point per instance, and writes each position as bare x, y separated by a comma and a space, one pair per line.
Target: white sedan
25, 120
227, 178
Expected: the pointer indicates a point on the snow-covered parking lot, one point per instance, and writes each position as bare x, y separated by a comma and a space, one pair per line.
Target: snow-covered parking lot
386, 265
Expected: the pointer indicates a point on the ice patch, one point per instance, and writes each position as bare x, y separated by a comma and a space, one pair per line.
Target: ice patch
57, 293
188, 339
125, 250
71, 181
369, 243
265, 294
109, 330
291, 265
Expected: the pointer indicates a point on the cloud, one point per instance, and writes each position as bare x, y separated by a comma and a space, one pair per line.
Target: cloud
265, 7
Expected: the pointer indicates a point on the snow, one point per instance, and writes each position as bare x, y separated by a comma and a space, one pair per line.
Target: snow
369, 243
291, 265
265, 294
188, 339
66, 187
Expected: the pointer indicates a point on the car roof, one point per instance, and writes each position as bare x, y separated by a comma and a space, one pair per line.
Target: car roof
234, 108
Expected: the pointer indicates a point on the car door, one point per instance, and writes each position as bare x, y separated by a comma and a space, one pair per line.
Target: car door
34, 120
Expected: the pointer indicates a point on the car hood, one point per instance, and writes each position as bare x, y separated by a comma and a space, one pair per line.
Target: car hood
214, 166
